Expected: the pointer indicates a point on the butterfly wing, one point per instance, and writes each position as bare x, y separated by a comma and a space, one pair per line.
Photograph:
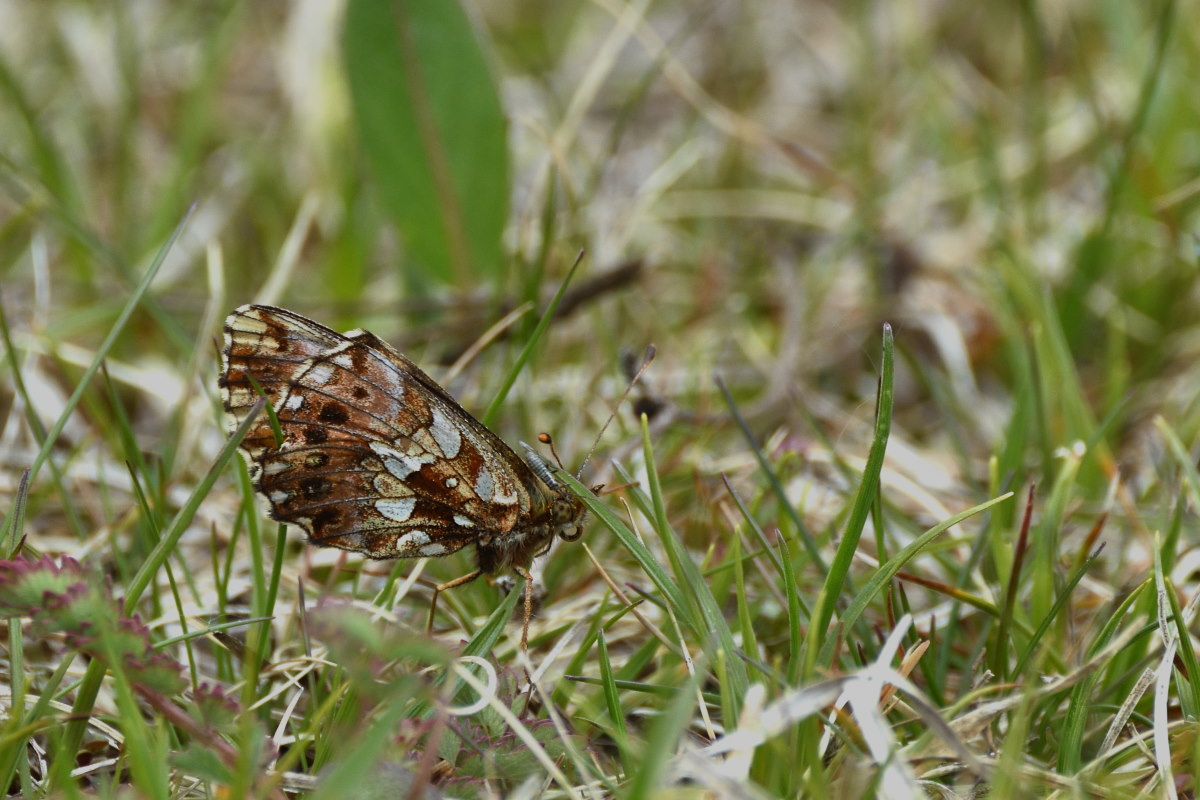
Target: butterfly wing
377, 457
264, 348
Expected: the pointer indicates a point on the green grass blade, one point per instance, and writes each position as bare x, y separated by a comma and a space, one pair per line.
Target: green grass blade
840, 568
102, 351
810, 545
1060, 602
1074, 727
661, 742
527, 351
14, 521
12, 753
1044, 540
481, 645
184, 516
1185, 653
795, 660
612, 701
887, 571
35, 425
707, 617
649, 564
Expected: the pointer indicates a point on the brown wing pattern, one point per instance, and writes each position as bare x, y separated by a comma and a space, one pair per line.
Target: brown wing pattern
376, 457
267, 350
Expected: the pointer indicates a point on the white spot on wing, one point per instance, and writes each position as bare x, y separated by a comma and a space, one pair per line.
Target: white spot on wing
294, 402
239, 396
433, 549
396, 509
253, 338
463, 522
276, 467
485, 485
319, 375
505, 492
448, 439
400, 464
277, 497
243, 323
413, 540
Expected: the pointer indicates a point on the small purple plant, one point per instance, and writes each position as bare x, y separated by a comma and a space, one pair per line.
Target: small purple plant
63, 599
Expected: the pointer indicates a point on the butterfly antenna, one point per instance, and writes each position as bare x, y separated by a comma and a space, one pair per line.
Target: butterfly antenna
647, 360
548, 440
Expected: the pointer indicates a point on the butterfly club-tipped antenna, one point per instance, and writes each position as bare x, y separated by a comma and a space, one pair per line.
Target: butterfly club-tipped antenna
647, 360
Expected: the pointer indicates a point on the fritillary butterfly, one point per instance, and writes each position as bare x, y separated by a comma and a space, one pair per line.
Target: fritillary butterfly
378, 458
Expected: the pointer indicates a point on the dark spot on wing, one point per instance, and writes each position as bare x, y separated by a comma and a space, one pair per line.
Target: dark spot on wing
315, 488
328, 517
334, 413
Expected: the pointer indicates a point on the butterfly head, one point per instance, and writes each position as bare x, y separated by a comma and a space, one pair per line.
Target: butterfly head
567, 512
569, 515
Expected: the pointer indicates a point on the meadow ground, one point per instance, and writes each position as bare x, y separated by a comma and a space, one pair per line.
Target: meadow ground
904, 506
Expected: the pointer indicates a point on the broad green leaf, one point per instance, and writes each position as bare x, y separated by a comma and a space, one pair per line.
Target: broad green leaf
431, 123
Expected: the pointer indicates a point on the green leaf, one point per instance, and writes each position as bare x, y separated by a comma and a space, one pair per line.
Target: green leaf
431, 123
203, 763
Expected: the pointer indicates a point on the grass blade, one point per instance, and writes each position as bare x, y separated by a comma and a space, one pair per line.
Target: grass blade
840, 568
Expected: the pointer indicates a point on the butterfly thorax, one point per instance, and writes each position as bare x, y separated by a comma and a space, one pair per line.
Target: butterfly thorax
562, 517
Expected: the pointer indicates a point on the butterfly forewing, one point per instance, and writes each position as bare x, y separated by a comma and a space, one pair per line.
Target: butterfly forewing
376, 457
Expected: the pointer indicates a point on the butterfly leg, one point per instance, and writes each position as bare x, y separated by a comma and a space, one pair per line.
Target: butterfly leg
443, 587
524, 573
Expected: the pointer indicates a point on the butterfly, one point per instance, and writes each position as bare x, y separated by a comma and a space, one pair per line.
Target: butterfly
379, 459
